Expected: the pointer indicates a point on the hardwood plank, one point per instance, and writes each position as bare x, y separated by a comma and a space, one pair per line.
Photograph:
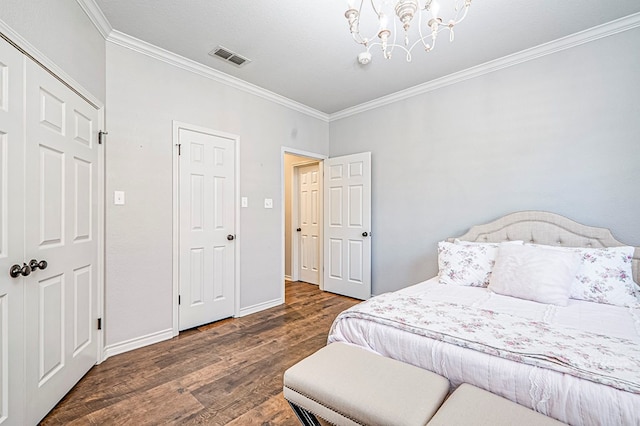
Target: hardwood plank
224, 373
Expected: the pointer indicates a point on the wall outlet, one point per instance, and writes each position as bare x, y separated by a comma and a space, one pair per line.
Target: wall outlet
244, 202
268, 203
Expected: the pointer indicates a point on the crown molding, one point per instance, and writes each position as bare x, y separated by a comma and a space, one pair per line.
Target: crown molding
31, 51
171, 58
568, 42
96, 16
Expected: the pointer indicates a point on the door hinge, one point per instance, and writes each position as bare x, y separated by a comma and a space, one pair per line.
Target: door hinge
99, 323
178, 299
101, 136
179, 148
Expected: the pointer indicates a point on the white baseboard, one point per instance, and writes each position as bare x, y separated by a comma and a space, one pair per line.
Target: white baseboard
260, 307
136, 343
288, 277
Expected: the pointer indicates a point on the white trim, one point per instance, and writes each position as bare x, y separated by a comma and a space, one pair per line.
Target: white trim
96, 16
260, 307
137, 343
177, 125
287, 277
46, 62
582, 37
311, 155
102, 181
186, 64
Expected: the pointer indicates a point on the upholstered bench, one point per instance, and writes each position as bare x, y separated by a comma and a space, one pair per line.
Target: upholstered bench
346, 385
472, 406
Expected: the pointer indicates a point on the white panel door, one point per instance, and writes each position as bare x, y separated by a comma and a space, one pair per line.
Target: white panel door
11, 235
207, 228
309, 223
347, 225
61, 216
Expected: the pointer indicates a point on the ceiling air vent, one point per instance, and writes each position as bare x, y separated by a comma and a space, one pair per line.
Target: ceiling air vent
229, 56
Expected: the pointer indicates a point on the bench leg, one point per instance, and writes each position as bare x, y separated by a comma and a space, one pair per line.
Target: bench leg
305, 417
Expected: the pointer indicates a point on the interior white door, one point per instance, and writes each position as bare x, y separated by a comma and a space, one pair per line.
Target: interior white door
11, 235
309, 223
347, 225
61, 217
207, 228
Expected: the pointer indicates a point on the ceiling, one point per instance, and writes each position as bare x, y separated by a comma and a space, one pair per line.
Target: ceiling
302, 50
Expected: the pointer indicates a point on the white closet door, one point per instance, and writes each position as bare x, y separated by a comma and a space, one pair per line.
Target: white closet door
207, 228
61, 213
11, 234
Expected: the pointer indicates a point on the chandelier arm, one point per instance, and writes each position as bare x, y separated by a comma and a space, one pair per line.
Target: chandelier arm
464, 15
399, 46
422, 36
373, 6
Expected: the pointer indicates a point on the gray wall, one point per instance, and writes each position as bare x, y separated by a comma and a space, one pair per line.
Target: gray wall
145, 95
559, 133
64, 34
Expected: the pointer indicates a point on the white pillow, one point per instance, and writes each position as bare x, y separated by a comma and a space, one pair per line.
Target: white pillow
534, 273
605, 275
466, 263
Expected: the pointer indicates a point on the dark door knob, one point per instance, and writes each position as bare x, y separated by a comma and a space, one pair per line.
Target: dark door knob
299, 229
34, 264
230, 237
365, 234
17, 270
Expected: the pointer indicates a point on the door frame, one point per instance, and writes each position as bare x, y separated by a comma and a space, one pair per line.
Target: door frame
313, 157
295, 209
177, 125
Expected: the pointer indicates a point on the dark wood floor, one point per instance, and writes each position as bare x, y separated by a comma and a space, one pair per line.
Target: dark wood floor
225, 373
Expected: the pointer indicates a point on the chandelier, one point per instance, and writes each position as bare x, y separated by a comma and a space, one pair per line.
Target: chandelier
406, 10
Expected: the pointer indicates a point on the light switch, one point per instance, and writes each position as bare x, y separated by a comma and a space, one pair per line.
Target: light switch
118, 198
268, 203
244, 201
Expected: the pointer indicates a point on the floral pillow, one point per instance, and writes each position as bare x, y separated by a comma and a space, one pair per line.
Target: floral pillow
466, 263
605, 276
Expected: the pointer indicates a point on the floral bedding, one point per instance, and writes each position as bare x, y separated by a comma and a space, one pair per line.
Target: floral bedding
604, 359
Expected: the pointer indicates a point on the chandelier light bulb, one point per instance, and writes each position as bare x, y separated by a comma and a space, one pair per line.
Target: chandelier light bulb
435, 9
433, 16
384, 21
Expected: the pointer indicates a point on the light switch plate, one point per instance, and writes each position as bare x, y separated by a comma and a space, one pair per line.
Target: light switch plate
118, 198
268, 203
244, 201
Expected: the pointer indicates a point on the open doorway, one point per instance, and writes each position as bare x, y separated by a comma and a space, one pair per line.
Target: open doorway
302, 199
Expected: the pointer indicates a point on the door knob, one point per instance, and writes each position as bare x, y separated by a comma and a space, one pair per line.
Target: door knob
365, 234
230, 237
299, 229
34, 264
17, 270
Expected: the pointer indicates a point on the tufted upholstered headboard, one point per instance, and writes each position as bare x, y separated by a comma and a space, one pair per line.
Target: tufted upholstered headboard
549, 229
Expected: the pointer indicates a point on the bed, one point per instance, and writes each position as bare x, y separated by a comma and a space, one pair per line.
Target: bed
578, 363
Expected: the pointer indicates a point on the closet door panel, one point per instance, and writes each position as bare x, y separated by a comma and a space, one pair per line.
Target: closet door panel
11, 234
61, 209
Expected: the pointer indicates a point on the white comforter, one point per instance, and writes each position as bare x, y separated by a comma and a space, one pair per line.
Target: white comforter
551, 391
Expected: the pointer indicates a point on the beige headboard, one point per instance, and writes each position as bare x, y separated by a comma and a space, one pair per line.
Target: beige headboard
547, 228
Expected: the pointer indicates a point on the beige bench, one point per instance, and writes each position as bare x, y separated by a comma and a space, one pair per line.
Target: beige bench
349, 386
472, 406
346, 385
